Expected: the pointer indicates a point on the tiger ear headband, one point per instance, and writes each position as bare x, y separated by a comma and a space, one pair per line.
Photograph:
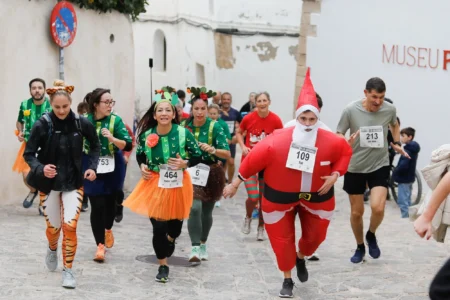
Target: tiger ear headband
69, 89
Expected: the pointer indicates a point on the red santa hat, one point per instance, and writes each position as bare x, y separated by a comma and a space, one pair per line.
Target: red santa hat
307, 99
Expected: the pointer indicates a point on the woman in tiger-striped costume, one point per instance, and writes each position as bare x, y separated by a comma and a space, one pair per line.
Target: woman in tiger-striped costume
56, 172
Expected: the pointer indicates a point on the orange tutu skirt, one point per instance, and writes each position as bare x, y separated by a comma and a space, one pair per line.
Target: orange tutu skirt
163, 204
20, 164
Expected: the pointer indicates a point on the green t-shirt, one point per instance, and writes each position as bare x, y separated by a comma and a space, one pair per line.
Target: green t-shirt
116, 126
29, 113
210, 133
225, 128
178, 141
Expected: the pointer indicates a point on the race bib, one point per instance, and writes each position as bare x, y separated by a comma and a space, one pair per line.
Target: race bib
301, 158
230, 126
371, 137
106, 164
169, 178
199, 174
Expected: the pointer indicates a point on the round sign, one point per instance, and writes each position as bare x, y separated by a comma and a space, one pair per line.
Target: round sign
63, 24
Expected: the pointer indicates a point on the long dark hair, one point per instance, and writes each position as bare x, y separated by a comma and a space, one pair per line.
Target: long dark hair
94, 98
194, 99
148, 121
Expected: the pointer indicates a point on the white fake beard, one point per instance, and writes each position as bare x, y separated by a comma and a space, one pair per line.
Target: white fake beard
300, 135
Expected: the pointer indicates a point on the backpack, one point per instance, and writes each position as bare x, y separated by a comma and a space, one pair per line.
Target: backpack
50, 131
47, 118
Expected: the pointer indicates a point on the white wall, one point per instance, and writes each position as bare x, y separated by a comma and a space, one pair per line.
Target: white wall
91, 61
251, 73
348, 51
254, 69
267, 13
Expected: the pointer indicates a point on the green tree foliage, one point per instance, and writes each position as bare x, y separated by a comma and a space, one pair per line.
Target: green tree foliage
129, 7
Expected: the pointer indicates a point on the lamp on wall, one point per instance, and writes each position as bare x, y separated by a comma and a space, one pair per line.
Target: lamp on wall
150, 64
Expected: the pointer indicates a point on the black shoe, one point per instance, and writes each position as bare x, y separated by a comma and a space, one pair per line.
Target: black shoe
118, 218
302, 272
170, 248
84, 207
286, 290
119, 213
29, 199
163, 274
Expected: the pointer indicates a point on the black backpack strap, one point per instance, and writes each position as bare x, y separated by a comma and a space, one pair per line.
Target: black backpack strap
49, 121
47, 118
77, 122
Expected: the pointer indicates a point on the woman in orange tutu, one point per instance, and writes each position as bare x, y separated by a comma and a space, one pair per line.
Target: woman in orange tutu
165, 192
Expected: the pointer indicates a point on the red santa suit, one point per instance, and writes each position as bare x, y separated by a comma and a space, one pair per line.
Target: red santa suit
287, 189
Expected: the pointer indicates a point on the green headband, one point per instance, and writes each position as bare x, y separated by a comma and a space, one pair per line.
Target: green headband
172, 99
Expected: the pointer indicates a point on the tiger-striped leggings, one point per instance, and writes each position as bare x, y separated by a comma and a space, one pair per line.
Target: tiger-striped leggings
63, 207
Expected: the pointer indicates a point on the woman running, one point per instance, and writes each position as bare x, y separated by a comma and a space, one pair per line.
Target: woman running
103, 191
256, 126
165, 192
56, 171
208, 178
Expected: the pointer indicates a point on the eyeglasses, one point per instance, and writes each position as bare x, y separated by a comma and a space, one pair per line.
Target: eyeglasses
112, 102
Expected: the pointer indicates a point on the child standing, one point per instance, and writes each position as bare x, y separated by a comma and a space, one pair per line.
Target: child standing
405, 172
214, 114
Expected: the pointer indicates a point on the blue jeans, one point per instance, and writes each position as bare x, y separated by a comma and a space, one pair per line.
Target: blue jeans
404, 198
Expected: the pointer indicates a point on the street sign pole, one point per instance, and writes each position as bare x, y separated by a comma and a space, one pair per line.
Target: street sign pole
61, 63
63, 27
150, 64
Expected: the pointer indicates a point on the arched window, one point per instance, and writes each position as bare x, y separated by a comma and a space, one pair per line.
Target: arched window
160, 51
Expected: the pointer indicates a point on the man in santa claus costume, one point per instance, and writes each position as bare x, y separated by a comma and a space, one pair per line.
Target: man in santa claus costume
301, 165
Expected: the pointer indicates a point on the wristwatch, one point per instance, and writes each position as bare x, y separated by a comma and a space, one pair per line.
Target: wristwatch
214, 152
397, 143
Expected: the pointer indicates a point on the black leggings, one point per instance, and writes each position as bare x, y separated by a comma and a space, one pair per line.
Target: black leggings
440, 288
119, 200
160, 231
103, 212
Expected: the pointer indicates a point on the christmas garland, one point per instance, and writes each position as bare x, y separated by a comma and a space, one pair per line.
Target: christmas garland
201, 93
128, 7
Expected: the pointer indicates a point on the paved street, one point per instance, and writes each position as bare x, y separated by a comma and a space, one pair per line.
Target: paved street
239, 266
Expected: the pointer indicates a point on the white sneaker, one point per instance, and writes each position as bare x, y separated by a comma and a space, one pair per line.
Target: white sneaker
217, 204
260, 234
203, 252
195, 255
51, 260
246, 226
68, 279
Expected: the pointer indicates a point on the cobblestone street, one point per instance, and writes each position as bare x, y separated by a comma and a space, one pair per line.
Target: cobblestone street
239, 266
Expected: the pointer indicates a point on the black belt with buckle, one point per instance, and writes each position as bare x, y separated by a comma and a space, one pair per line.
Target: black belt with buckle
291, 197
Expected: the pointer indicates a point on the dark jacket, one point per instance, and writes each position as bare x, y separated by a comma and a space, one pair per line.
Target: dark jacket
405, 171
62, 148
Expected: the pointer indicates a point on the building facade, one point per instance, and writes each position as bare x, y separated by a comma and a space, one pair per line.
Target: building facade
102, 55
408, 47
195, 43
